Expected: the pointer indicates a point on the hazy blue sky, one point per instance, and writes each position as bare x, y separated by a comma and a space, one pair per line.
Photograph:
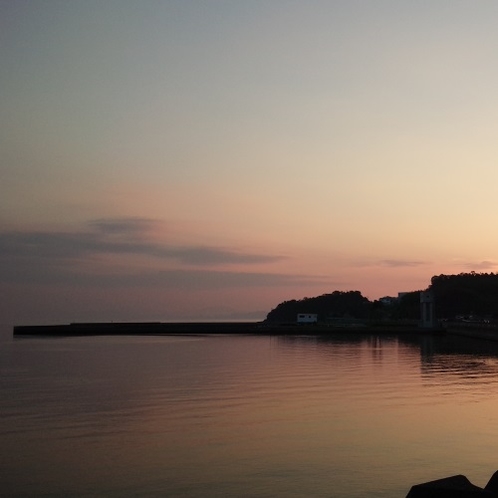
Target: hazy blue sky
209, 159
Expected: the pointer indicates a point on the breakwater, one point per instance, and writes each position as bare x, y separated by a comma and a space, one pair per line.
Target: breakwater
136, 328
169, 328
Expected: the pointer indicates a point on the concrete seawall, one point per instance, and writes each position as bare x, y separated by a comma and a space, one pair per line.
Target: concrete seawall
135, 328
160, 328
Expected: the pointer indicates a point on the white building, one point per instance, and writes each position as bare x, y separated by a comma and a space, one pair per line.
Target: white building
307, 318
428, 318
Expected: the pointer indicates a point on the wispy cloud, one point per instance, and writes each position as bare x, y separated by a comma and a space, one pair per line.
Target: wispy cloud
481, 266
201, 279
391, 263
399, 263
58, 257
35, 271
125, 226
120, 236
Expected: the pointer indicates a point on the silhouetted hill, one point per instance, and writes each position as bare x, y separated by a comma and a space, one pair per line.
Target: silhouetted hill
336, 305
463, 294
466, 294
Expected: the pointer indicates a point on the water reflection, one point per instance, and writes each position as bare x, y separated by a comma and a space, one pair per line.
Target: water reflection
344, 415
452, 353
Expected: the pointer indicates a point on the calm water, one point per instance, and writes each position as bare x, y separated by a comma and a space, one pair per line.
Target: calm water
244, 416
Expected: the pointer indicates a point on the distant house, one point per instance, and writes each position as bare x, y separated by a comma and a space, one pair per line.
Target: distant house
307, 318
388, 300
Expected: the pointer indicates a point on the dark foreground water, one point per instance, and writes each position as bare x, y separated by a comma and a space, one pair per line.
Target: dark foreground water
347, 416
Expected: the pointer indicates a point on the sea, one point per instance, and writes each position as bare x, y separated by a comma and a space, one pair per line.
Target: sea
347, 415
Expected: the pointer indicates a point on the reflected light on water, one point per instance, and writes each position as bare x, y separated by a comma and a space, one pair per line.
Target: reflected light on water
245, 416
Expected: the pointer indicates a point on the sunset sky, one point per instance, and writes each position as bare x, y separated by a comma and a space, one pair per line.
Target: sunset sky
206, 160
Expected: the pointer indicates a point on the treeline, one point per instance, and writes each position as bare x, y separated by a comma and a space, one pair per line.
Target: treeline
466, 294
348, 305
335, 305
455, 295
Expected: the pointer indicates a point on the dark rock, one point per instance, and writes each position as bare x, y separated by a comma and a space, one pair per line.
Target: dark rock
492, 485
454, 487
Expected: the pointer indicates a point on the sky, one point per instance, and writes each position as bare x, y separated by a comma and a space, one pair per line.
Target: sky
207, 160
